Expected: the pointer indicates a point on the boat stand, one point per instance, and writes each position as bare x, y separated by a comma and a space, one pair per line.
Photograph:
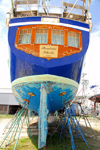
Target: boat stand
13, 129
70, 121
87, 123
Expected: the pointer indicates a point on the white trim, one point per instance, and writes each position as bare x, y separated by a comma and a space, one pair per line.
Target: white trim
45, 77
39, 22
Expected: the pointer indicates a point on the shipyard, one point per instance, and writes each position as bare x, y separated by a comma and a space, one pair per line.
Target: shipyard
50, 81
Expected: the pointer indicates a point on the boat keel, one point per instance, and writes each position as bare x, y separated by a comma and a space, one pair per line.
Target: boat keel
43, 124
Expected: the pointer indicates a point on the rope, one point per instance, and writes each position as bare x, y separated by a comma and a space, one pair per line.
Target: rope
71, 9
74, 99
29, 7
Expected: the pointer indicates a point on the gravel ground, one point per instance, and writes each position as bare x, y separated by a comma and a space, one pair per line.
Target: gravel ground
5, 121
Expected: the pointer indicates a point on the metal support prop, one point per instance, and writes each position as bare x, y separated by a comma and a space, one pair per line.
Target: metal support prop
65, 128
62, 128
21, 128
27, 122
72, 140
78, 125
16, 123
9, 123
68, 122
86, 119
74, 122
15, 129
79, 128
12, 125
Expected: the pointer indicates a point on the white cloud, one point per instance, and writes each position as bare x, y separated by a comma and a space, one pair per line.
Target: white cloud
4, 54
92, 67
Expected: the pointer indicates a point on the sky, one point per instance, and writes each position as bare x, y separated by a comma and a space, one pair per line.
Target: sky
91, 63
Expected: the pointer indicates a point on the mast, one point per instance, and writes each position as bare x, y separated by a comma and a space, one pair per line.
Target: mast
83, 6
29, 7
45, 6
12, 8
88, 7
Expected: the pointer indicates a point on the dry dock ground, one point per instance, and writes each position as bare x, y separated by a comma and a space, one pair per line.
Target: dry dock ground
52, 142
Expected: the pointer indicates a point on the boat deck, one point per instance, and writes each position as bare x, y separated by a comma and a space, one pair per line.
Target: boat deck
23, 8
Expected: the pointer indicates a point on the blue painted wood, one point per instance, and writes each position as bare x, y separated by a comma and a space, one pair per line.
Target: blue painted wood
55, 102
20, 68
43, 124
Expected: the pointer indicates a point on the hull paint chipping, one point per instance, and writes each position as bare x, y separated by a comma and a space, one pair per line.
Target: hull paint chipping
54, 86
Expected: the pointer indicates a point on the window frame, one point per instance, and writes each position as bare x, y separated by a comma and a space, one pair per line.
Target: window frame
73, 42
23, 34
60, 37
80, 38
43, 33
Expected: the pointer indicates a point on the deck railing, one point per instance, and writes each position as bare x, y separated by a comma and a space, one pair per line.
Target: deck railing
24, 8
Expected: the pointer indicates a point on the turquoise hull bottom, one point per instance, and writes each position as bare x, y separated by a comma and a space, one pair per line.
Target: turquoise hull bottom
44, 94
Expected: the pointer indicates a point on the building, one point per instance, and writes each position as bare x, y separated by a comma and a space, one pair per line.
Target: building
8, 103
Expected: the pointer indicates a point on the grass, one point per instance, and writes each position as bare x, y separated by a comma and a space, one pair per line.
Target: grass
65, 143
5, 116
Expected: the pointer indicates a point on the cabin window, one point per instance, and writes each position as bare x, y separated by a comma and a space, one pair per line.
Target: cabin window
41, 36
25, 36
58, 37
73, 39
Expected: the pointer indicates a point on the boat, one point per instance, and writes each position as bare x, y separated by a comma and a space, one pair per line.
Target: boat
95, 98
47, 47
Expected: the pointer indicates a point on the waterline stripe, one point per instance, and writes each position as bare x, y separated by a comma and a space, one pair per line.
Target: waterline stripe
45, 78
51, 23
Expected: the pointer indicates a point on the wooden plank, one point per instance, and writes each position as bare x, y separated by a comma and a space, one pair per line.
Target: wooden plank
76, 6
28, 13
83, 0
75, 16
20, 2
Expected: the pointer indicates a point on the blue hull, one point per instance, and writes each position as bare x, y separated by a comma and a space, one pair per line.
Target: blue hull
20, 68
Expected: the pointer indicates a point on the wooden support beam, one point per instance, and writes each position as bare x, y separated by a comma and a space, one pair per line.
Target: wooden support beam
76, 6
21, 2
74, 16
26, 13
83, 0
